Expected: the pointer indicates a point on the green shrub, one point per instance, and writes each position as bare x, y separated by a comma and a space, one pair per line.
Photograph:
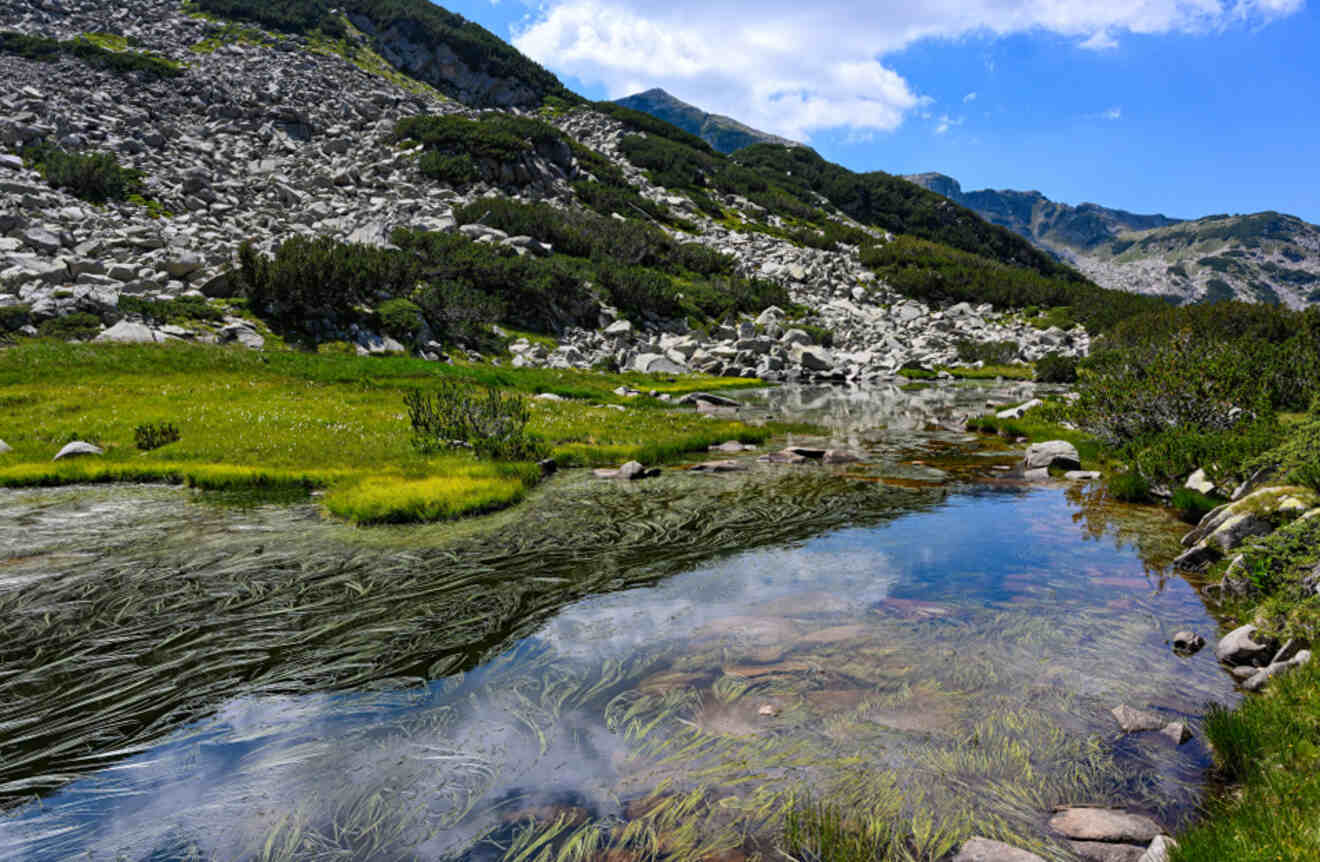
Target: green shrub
499, 137
819, 334
320, 278
47, 50
933, 272
1054, 368
400, 318
153, 435
13, 317
1129, 487
183, 308
457, 416
989, 352
79, 326
1191, 505
454, 170
95, 177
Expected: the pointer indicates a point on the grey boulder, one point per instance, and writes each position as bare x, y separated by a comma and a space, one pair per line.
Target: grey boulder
5, 447
76, 449
125, 332
1239, 647
1054, 453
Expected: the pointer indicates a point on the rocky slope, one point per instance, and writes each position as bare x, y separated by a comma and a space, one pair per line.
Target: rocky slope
723, 133
267, 136
1264, 257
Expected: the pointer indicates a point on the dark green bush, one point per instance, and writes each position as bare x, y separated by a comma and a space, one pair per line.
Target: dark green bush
455, 170
1191, 505
819, 334
320, 278
13, 317
936, 273
153, 435
500, 137
177, 310
492, 424
1055, 368
990, 352
400, 318
49, 50
95, 177
1129, 488
79, 326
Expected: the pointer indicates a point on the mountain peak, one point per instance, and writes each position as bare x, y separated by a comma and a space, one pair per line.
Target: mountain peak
723, 133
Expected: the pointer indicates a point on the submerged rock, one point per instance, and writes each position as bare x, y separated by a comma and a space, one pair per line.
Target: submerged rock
1104, 824
1136, 720
979, 849
707, 398
1176, 731
1099, 851
719, 467
77, 449
840, 456
1188, 642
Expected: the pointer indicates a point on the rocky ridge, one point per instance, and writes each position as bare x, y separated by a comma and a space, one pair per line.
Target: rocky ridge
1263, 257
723, 133
262, 140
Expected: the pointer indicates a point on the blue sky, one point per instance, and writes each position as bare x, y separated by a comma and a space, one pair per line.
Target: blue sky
1185, 107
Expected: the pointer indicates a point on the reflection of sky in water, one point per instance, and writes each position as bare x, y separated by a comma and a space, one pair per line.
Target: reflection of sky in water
477, 744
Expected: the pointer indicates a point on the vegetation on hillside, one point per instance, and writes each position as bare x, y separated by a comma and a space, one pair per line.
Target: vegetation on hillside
934, 272
898, 206
422, 22
92, 176
89, 50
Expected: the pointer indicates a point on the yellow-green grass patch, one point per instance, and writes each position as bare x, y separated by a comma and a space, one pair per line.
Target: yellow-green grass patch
284, 419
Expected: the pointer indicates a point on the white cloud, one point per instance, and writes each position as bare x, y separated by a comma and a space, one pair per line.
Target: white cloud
793, 68
1114, 113
970, 97
1100, 41
946, 122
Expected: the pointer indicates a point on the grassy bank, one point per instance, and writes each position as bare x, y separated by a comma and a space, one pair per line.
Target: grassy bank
284, 419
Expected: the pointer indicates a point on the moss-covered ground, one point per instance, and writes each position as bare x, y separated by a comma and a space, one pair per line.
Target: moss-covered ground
280, 419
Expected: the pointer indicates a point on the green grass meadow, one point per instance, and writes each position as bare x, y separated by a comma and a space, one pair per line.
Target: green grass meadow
281, 419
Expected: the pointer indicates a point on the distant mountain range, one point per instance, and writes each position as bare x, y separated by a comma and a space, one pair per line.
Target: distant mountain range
725, 134
1263, 257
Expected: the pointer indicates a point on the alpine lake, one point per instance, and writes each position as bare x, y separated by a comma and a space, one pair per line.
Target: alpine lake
610, 671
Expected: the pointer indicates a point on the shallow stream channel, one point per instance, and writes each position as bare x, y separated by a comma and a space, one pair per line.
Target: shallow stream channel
611, 671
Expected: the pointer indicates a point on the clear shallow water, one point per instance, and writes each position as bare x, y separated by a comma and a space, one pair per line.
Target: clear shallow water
942, 655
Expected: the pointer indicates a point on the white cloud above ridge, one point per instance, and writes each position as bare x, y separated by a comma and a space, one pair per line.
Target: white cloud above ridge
792, 68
